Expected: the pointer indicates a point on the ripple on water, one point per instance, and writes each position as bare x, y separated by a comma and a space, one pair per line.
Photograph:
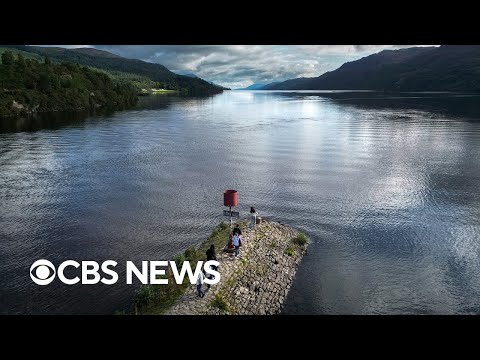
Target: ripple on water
387, 189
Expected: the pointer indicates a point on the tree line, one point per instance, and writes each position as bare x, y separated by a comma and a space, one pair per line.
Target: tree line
147, 75
28, 85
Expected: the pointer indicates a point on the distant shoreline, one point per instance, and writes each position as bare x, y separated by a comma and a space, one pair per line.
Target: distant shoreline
147, 92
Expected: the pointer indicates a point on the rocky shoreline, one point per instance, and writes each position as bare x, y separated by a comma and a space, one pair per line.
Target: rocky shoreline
254, 283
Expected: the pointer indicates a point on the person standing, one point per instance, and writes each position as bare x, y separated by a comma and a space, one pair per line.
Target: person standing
211, 256
237, 241
253, 217
211, 253
200, 293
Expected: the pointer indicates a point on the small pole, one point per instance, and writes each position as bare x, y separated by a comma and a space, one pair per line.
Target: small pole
230, 217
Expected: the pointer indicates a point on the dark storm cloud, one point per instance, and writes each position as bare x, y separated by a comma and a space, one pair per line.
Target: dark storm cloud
241, 65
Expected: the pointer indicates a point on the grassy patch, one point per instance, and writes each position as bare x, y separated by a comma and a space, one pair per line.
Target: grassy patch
290, 251
179, 259
156, 299
300, 240
192, 254
230, 282
223, 226
219, 238
220, 303
144, 295
261, 270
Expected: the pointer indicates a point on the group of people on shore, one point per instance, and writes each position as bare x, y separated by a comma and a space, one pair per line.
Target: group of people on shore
235, 238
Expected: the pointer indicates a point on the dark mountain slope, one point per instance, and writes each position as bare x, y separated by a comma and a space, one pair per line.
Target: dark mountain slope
445, 68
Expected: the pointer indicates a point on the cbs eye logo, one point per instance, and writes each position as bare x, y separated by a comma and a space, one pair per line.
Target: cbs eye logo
42, 272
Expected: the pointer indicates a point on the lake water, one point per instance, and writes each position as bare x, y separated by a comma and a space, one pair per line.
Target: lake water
386, 185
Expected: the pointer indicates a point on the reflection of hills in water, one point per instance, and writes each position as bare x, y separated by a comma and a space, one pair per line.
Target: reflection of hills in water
42, 121
457, 105
58, 120
452, 105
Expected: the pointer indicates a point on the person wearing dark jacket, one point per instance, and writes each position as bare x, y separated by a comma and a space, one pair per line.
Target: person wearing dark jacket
211, 253
211, 256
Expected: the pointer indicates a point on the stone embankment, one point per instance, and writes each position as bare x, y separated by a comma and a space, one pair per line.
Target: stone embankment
257, 281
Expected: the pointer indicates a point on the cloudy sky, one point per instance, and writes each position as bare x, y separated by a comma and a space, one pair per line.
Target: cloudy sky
238, 66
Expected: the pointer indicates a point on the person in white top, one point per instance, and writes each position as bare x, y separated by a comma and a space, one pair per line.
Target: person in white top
237, 241
253, 217
200, 293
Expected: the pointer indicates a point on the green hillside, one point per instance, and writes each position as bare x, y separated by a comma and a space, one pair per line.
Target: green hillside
144, 74
27, 85
25, 54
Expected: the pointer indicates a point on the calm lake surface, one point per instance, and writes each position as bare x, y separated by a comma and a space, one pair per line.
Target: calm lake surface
386, 185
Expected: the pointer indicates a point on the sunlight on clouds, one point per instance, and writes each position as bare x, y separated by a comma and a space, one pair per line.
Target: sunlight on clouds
237, 66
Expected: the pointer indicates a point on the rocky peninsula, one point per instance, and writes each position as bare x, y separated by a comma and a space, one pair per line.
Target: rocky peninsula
254, 283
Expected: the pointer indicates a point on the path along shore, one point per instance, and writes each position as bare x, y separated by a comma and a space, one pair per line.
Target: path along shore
256, 282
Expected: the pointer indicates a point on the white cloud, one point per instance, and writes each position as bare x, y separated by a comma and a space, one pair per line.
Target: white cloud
241, 65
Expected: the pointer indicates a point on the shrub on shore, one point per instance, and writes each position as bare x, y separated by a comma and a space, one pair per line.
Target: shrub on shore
301, 239
220, 303
290, 251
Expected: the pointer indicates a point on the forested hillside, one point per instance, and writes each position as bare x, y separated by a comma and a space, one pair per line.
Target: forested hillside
27, 85
123, 70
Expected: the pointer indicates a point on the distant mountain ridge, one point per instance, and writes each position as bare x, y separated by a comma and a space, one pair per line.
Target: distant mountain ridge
186, 73
193, 75
444, 68
270, 85
258, 86
117, 66
92, 52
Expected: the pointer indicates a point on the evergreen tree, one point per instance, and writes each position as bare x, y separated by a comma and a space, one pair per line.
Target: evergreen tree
8, 58
20, 60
